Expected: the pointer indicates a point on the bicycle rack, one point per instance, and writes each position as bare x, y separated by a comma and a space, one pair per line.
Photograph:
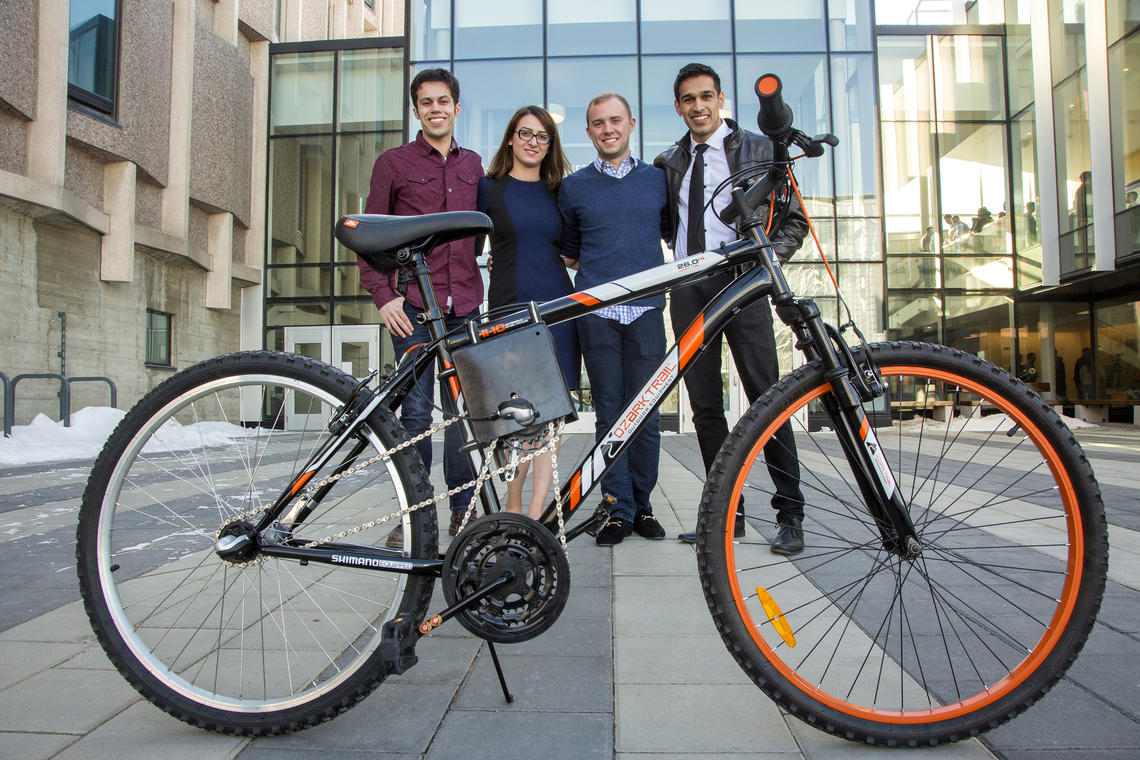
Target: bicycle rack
64, 394
97, 379
4, 408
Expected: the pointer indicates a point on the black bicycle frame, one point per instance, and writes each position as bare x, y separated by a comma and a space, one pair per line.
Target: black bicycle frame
760, 277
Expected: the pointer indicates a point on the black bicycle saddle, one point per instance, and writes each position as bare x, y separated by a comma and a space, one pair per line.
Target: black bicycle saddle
378, 236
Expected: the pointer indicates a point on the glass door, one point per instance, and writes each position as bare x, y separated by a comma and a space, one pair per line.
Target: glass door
314, 342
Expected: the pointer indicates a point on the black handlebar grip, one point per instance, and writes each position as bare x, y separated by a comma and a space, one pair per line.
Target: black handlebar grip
775, 117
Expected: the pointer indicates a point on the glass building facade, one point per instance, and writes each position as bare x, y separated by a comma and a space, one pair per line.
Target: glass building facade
983, 194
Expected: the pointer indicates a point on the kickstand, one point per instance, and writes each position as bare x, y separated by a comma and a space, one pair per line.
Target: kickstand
499, 672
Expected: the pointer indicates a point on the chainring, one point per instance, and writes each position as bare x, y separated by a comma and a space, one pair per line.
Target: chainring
531, 602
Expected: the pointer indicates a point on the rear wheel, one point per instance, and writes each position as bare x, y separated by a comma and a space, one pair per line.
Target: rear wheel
256, 646
873, 647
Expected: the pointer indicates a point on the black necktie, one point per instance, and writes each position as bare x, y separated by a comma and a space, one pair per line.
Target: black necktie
696, 224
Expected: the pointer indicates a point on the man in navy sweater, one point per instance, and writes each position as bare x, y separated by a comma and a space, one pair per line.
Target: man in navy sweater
614, 214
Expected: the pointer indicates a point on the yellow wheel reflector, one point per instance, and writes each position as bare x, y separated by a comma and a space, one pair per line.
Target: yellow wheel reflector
776, 616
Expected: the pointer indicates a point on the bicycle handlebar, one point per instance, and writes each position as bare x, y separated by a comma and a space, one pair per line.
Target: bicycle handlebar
775, 117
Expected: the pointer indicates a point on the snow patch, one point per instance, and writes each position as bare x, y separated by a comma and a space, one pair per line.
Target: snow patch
43, 440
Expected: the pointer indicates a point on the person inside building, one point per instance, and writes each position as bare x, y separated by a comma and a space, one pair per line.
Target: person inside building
428, 175
519, 194
614, 214
712, 149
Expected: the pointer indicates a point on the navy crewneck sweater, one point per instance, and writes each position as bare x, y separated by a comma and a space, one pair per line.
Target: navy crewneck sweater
613, 226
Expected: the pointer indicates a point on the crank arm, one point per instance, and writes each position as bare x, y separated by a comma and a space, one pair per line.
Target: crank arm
435, 621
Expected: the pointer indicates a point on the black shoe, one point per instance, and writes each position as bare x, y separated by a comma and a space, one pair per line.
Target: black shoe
395, 539
646, 526
737, 532
789, 536
614, 531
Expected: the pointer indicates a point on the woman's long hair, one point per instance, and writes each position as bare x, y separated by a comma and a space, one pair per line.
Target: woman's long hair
554, 165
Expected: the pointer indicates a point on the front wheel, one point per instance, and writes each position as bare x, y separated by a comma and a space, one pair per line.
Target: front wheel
248, 644
874, 647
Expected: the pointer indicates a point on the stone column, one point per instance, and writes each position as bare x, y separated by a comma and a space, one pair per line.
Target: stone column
220, 245
117, 249
176, 195
47, 133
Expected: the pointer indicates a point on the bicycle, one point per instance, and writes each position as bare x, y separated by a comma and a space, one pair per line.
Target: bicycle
946, 584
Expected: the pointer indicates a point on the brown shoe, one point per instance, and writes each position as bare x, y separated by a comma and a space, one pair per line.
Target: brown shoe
395, 539
456, 522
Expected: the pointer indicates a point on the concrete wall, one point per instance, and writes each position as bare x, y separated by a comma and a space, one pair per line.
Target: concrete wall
18, 53
54, 268
221, 123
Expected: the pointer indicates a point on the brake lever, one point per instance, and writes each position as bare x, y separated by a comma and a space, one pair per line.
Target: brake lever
813, 146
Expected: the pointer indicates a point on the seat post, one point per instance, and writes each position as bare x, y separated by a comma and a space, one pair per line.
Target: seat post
433, 315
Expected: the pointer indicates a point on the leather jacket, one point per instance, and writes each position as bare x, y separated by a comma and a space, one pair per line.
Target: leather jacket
741, 148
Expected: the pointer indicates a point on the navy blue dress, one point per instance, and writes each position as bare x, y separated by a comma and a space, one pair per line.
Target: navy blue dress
527, 263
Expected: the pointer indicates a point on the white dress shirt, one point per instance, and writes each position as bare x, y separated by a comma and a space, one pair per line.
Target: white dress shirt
716, 171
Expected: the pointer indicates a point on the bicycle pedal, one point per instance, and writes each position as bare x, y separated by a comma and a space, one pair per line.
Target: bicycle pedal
398, 646
601, 514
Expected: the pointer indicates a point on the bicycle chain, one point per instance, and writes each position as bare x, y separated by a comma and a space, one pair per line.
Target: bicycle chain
482, 477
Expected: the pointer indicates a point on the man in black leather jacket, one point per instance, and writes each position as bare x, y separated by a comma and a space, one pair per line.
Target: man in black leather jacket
722, 147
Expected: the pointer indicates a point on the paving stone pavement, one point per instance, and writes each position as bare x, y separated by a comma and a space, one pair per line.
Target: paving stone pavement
634, 668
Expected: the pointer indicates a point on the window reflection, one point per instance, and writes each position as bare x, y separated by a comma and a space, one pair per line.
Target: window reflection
905, 272
494, 29
430, 29
804, 79
969, 80
1027, 220
860, 240
849, 24
904, 78
580, 27
862, 285
1124, 99
572, 82
771, 27
302, 93
856, 159
669, 26
916, 317
980, 325
372, 92
91, 62
660, 124
300, 199
488, 105
1074, 160
972, 175
924, 12
908, 189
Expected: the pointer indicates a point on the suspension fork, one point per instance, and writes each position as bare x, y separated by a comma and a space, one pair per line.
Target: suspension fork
873, 475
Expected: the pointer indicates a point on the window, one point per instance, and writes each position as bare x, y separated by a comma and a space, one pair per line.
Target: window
93, 52
157, 339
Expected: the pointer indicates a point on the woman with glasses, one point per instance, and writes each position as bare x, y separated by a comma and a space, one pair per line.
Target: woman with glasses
519, 194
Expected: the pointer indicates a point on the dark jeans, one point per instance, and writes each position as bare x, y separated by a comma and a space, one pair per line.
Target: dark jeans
753, 344
619, 359
415, 412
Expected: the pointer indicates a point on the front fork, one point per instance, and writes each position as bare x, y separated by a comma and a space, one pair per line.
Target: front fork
844, 405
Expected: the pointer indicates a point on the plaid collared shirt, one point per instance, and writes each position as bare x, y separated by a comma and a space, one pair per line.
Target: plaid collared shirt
623, 315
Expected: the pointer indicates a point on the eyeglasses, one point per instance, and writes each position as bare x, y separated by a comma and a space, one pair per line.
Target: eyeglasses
527, 135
